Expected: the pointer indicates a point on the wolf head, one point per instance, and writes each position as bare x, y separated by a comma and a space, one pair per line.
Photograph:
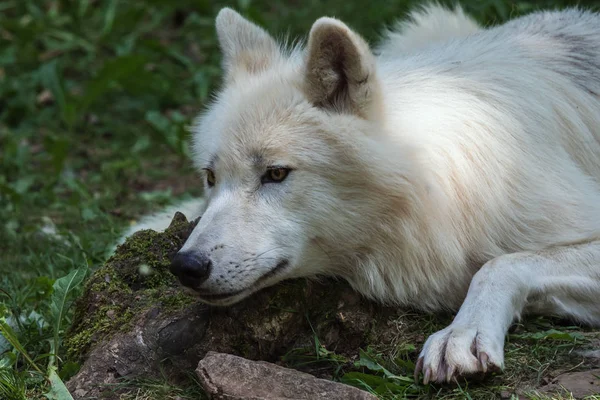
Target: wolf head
296, 175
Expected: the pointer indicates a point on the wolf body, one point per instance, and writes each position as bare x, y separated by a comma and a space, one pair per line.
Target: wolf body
451, 167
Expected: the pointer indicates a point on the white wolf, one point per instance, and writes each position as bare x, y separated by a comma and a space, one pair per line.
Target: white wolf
454, 167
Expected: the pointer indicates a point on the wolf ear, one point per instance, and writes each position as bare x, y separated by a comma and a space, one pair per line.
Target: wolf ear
340, 70
246, 47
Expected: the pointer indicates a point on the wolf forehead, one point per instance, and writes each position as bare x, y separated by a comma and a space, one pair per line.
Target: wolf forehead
256, 128
266, 120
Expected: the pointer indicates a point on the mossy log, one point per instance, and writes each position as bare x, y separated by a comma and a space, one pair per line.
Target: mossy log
135, 321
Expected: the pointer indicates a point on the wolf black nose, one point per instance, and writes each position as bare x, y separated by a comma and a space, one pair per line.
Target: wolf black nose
191, 268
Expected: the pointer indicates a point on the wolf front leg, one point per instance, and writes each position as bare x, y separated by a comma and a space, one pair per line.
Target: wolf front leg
562, 280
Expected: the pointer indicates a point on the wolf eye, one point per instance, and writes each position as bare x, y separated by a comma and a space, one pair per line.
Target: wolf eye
210, 178
275, 175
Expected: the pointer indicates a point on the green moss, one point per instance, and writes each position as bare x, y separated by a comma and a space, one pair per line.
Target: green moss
144, 260
132, 281
177, 301
105, 320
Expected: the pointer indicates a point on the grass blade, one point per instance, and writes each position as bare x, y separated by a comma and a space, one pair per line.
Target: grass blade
58, 306
11, 336
12, 385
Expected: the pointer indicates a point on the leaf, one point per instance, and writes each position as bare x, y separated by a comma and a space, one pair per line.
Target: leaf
58, 303
389, 387
88, 214
172, 129
158, 121
375, 384
11, 336
406, 348
363, 380
58, 390
109, 17
367, 361
8, 360
142, 143
68, 370
551, 334
51, 79
41, 288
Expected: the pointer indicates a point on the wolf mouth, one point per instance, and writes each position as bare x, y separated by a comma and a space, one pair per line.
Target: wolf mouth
224, 296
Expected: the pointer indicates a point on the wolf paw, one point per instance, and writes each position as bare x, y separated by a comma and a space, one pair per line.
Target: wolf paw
459, 351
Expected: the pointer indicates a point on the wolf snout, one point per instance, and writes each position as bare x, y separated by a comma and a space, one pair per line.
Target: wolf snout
191, 268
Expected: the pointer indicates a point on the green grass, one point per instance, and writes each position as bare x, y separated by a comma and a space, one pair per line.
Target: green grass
536, 350
95, 97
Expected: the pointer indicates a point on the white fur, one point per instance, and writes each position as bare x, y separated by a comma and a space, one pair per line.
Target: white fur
426, 26
457, 166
